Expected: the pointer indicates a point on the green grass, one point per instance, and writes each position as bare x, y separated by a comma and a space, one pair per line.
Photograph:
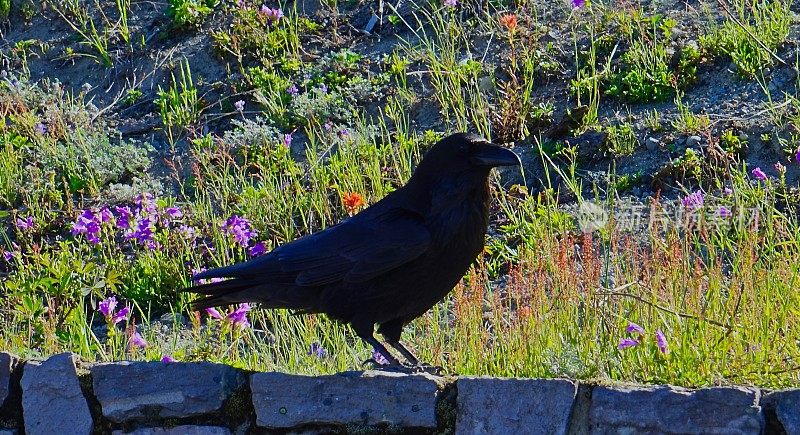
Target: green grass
549, 296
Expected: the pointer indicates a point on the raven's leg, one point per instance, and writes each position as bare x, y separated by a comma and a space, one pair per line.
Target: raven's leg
392, 331
364, 332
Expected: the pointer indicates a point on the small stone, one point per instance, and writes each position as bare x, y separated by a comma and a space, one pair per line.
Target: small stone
360, 398
52, 399
668, 409
177, 430
652, 143
786, 405
529, 406
144, 391
693, 141
743, 136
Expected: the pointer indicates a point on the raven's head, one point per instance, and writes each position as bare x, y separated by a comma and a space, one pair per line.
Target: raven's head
465, 153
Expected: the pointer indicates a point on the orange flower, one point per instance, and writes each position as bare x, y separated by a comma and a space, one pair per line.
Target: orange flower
352, 201
509, 21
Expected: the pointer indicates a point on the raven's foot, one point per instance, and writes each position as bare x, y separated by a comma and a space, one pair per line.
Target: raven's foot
405, 368
429, 369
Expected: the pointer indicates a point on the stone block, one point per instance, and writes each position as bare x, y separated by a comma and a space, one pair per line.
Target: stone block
502, 406
368, 398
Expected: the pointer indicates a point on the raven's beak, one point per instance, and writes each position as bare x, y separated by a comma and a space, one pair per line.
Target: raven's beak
493, 155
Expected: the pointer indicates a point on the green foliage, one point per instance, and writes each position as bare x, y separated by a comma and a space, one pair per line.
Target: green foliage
620, 140
5, 9
187, 13
179, 105
760, 28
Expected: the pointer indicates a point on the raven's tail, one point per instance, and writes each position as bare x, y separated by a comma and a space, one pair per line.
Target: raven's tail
240, 290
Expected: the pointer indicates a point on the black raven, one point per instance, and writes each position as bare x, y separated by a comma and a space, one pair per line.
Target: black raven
386, 265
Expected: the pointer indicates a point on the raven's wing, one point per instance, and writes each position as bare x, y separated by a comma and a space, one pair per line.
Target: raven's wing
355, 250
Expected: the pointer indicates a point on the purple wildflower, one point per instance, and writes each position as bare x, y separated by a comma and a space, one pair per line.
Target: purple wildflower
168, 359
344, 132
136, 340
143, 232
633, 327
8, 255
213, 313
759, 174
146, 203
40, 128
797, 155
25, 224
625, 343
292, 90
124, 220
87, 224
287, 140
107, 306
780, 168
723, 212
240, 229
661, 341
258, 249
379, 358
188, 233
694, 200
121, 315
577, 4
174, 212
323, 88
239, 316
317, 350
451, 3
728, 191
106, 215
239, 105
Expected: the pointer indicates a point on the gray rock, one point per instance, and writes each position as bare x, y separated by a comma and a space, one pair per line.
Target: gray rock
285, 401
652, 143
500, 406
8, 432
130, 391
177, 430
693, 141
8, 363
672, 410
52, 400
786, 405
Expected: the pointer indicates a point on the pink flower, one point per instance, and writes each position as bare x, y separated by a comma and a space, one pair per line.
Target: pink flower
632, 327
239, 105
379, 358
287, 140
121, 315
759, 174
780, 168
723, 212
661, 341
168, 359
107, 306
25, 224
258, 249
625, 343
213, 313
136, 340
239, 316
694, 201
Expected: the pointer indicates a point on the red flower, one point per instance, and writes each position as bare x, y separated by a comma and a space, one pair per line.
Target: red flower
509, 21
352, 201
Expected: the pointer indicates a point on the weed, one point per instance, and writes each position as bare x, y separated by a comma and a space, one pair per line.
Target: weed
620, 140
179, 105
751, 37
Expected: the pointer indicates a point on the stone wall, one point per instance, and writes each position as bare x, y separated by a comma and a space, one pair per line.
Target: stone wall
62, 395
